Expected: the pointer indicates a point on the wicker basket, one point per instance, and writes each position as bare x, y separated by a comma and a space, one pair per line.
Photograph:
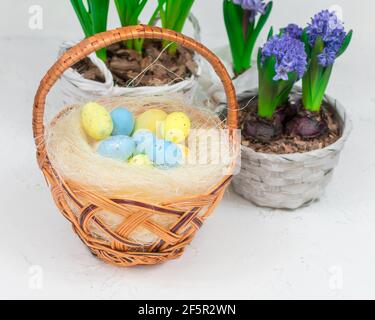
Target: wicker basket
292, 180
190, 212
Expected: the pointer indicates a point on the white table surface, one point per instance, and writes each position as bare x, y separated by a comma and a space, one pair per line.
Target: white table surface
243, 252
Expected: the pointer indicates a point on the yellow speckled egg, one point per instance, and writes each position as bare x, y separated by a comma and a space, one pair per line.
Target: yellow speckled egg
150, 120
96, 121
141, 160
176, 127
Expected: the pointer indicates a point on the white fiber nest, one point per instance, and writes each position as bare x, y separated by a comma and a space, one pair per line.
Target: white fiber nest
73, 155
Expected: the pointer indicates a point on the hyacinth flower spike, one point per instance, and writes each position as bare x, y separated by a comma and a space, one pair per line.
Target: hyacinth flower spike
281, 63
325, 40
243, 28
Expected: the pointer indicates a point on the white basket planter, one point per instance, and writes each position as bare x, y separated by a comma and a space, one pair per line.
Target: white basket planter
75, 88
213, 87
292, 180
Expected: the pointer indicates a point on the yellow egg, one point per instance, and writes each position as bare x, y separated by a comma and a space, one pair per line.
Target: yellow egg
96, 121
174, 135
176, 127
140, 160
150, 120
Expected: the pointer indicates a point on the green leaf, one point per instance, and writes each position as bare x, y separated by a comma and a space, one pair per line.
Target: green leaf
174, 14
345, 43
270, 34
320, 91
253, 36
233, 21
83, 17
99, 13
94, 19
305, 40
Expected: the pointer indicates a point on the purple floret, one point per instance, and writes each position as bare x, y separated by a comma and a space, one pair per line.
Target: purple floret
327, 57
330, 29
293, 31
253, 6
289, 53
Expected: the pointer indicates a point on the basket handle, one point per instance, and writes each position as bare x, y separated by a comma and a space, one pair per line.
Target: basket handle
102, 40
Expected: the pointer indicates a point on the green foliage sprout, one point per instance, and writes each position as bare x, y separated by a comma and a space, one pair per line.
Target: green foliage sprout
93, 19
129, 12
243, 33
173, 14
316, 79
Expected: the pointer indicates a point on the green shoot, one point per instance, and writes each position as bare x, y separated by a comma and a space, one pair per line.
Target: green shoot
129, 12
243, 32
93, 19
173, 14
316, 79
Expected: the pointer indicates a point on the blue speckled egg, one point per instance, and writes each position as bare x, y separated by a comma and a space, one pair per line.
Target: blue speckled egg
123, 122
143, 140
164, 154
117, 147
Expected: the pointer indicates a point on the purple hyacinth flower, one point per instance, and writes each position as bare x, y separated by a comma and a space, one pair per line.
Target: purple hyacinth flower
330, 29
327, 57
252, 6
293, 31
281, 73
289, 53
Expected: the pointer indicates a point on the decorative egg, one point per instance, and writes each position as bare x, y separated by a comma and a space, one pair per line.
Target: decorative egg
143, 139
141, 160
96, 121
164, 154
123, 122
150, 120
117, 147
176, 127
173, 155
184, 149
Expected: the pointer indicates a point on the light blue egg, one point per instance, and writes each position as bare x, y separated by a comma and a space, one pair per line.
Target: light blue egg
117, 147
143, 139
164, 154
173, 155
123, 122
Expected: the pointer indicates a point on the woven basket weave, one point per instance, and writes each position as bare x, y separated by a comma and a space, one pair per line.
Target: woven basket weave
72, 198
292, 180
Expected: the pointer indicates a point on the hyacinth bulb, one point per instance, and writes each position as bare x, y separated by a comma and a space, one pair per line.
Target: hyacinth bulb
263, 130
307, 126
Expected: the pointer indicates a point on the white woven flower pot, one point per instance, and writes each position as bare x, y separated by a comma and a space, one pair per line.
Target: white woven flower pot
75, 88
292, 180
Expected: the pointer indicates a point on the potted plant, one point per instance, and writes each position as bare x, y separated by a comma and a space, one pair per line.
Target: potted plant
244, 21
136, 67
292, 138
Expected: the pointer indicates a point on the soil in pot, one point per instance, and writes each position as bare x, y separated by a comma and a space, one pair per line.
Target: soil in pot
278, 134
126, 65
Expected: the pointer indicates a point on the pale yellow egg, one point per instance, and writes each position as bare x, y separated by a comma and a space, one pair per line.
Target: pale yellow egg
176, 127
96, 121
150, 120
141, 160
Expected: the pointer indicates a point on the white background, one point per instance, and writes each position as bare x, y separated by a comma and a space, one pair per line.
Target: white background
323, 251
